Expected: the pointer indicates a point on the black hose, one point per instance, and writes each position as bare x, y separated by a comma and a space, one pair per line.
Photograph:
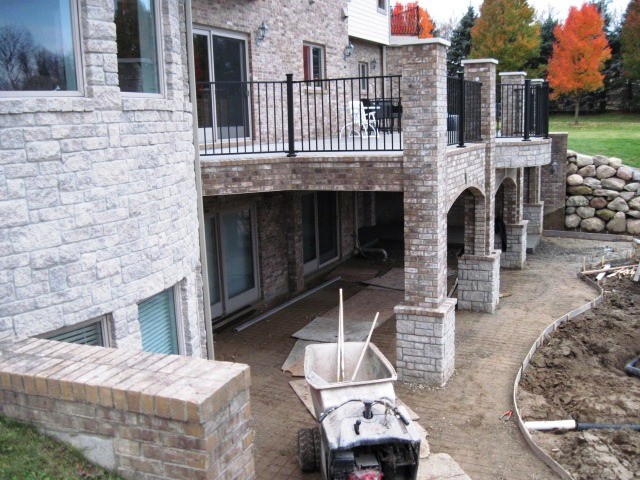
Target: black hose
607, 426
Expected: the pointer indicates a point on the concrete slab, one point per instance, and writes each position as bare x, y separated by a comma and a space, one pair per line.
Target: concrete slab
440, 466
359, 312
295, 361
393, 279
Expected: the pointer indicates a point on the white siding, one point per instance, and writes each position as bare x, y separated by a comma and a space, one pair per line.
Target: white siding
367, 22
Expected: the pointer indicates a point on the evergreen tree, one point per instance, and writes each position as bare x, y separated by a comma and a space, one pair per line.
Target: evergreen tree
461, 41
507, 32
630, 39
538, 66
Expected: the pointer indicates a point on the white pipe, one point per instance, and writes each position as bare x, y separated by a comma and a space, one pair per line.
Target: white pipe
204, 271
551, 425
364, 349
338, 350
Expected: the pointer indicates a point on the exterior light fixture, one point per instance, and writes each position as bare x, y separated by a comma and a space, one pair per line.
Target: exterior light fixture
374, 64
262, 32
554, 167
348, 50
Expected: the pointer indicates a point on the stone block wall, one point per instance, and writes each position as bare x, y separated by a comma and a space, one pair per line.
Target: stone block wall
602, 195
140, 415
98, 205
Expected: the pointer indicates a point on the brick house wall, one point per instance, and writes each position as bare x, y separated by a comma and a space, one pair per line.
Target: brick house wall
98, 200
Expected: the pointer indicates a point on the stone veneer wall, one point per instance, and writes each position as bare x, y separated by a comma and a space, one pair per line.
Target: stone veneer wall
552, 183
98, 204
602, 195
140, 415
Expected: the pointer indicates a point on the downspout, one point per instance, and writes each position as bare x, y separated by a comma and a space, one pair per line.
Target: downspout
203, 249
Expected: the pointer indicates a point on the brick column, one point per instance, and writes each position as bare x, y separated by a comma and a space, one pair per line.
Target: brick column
533, 206
479, 271
425, 322
294, 244
516, 227
553, 186
512, 107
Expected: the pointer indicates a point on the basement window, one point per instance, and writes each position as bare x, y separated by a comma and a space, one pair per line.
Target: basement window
94, 332
158, 326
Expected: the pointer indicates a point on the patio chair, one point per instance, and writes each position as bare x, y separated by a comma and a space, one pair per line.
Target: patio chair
359, 120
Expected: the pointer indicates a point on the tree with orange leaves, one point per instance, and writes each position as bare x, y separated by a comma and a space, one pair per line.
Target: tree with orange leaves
579, 53
411, 19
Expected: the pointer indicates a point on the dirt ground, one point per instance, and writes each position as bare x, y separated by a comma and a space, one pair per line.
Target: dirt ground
579, 374
462, 418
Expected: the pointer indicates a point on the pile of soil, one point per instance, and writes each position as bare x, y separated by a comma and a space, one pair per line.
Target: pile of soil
579, 374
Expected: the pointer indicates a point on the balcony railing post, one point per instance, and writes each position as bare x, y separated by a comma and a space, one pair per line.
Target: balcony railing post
461, 105
527, 109
545, 109
290, 126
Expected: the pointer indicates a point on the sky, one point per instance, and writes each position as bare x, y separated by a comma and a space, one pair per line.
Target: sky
441, 11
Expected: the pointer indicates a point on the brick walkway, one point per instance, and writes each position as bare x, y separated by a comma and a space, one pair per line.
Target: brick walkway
461, 418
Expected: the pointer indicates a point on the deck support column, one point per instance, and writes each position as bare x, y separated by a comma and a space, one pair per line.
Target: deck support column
426, 319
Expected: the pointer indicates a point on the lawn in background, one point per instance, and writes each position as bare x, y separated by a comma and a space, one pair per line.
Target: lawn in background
608, 134
26, 454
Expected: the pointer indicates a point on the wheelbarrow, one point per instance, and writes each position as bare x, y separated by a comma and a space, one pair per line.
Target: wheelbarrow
361, 433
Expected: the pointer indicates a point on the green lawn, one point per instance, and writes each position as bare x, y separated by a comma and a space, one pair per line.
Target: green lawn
609, 134
26, 454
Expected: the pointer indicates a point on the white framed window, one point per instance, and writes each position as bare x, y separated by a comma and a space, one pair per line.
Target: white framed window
363, 73
382, 6
92, 332
138, 41
160, 325
39, 48
313, 62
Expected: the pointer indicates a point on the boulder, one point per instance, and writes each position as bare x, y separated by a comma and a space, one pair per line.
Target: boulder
618, 223
592, 182
584, 160
585, 212
635, 203
625, 173
618, 204
572, 221
571, 155
615, 162
600, 160
575, 179
632, 187
592, 224
572, 168
605, 171
577, 201
627, 196
613, 183
633, 226
598, 203
605, 214
636, 175
570, 210
608, 194
633, 213
588, 171
580, 190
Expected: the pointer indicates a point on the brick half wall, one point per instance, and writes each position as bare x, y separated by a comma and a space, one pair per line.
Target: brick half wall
140, 415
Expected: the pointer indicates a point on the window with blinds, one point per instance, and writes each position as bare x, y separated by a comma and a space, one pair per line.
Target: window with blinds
90, 334
157, 317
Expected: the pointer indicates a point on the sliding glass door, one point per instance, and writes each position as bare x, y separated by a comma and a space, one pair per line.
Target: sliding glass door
232, 260
319, 229
223, 106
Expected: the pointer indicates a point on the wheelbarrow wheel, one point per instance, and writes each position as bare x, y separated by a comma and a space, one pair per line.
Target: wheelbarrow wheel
306, 450
317, 445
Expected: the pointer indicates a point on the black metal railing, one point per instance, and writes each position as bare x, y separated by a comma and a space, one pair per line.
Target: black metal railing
333, 115
463, 111
406, 22
523, 110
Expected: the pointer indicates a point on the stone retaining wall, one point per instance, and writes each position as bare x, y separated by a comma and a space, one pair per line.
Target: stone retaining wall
602, 195
140, 415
